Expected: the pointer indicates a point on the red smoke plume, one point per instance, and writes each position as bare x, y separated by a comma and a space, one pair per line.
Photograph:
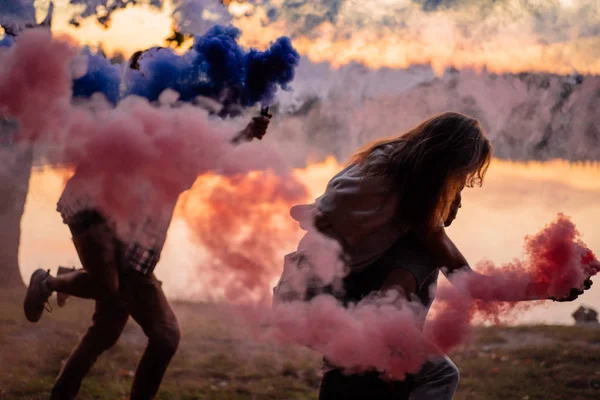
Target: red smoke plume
557, 261
242, 223
135, 155
385, 333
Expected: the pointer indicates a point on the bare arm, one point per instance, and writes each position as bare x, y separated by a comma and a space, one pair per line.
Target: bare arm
402, 280
448, 255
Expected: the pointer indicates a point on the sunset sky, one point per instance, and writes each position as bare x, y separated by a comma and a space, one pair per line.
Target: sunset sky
508, 35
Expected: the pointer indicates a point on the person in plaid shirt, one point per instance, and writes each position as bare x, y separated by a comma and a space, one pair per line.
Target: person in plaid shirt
119, 276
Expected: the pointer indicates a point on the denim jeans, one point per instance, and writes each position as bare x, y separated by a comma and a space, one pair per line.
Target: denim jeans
437, 380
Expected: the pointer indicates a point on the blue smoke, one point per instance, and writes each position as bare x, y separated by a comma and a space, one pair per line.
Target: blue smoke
269, 69
15, 15
217, 67
220, 62
159, 69
17, 11
7, 41
101, 77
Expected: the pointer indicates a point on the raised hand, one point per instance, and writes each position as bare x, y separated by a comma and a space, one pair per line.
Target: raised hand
256, 129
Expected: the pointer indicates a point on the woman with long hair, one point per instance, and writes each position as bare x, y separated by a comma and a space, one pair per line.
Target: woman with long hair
388, 210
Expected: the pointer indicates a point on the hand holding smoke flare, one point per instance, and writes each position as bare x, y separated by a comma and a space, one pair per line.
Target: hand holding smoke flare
216, 67
561, 262
163, 148
256, 129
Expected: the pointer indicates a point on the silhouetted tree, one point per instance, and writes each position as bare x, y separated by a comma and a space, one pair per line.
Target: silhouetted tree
16, 162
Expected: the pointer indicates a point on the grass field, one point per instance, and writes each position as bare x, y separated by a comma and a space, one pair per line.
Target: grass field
217, 360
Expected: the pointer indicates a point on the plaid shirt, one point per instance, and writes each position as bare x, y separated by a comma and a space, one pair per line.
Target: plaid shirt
146, 232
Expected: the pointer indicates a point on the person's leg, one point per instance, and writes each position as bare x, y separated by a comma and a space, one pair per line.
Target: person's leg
109, 320
78, 283
149, 307
437, 380
338, 386
61, 297
98, 250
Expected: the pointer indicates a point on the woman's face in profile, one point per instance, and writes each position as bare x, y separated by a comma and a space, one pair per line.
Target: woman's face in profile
456, 204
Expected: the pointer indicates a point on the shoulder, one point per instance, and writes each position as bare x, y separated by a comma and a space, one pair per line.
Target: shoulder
436, 239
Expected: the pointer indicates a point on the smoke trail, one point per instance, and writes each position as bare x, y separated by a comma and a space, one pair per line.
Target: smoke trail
160, 69
266, 70
216, 67
557, 260
146, 154
7, 41
384, 332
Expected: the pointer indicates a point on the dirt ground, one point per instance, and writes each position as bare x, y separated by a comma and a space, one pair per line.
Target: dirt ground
217, 359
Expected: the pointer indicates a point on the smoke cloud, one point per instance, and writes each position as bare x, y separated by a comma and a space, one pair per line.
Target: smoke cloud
167, 148
217, 67
241, 224
136, 144
384, 332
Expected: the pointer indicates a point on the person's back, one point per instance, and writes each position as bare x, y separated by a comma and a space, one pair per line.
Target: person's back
360, 211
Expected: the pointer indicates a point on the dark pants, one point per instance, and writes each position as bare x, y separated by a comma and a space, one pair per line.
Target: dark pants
368, 386
141, 297
371, 385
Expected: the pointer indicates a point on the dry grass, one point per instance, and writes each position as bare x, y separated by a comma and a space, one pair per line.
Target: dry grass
217, 359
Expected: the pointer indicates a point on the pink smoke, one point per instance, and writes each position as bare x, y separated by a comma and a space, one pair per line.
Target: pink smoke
378, 333
559, 258
131, 156
242, 225
138, 158
556, 261
137, 145
385, 333
35, 82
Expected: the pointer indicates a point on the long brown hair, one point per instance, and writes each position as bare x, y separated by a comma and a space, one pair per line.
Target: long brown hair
428, 165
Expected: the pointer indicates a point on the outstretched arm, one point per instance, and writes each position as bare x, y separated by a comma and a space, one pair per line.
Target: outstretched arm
448, 255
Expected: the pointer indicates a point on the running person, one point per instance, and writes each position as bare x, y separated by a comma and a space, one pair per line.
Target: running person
118, 275
388, 210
